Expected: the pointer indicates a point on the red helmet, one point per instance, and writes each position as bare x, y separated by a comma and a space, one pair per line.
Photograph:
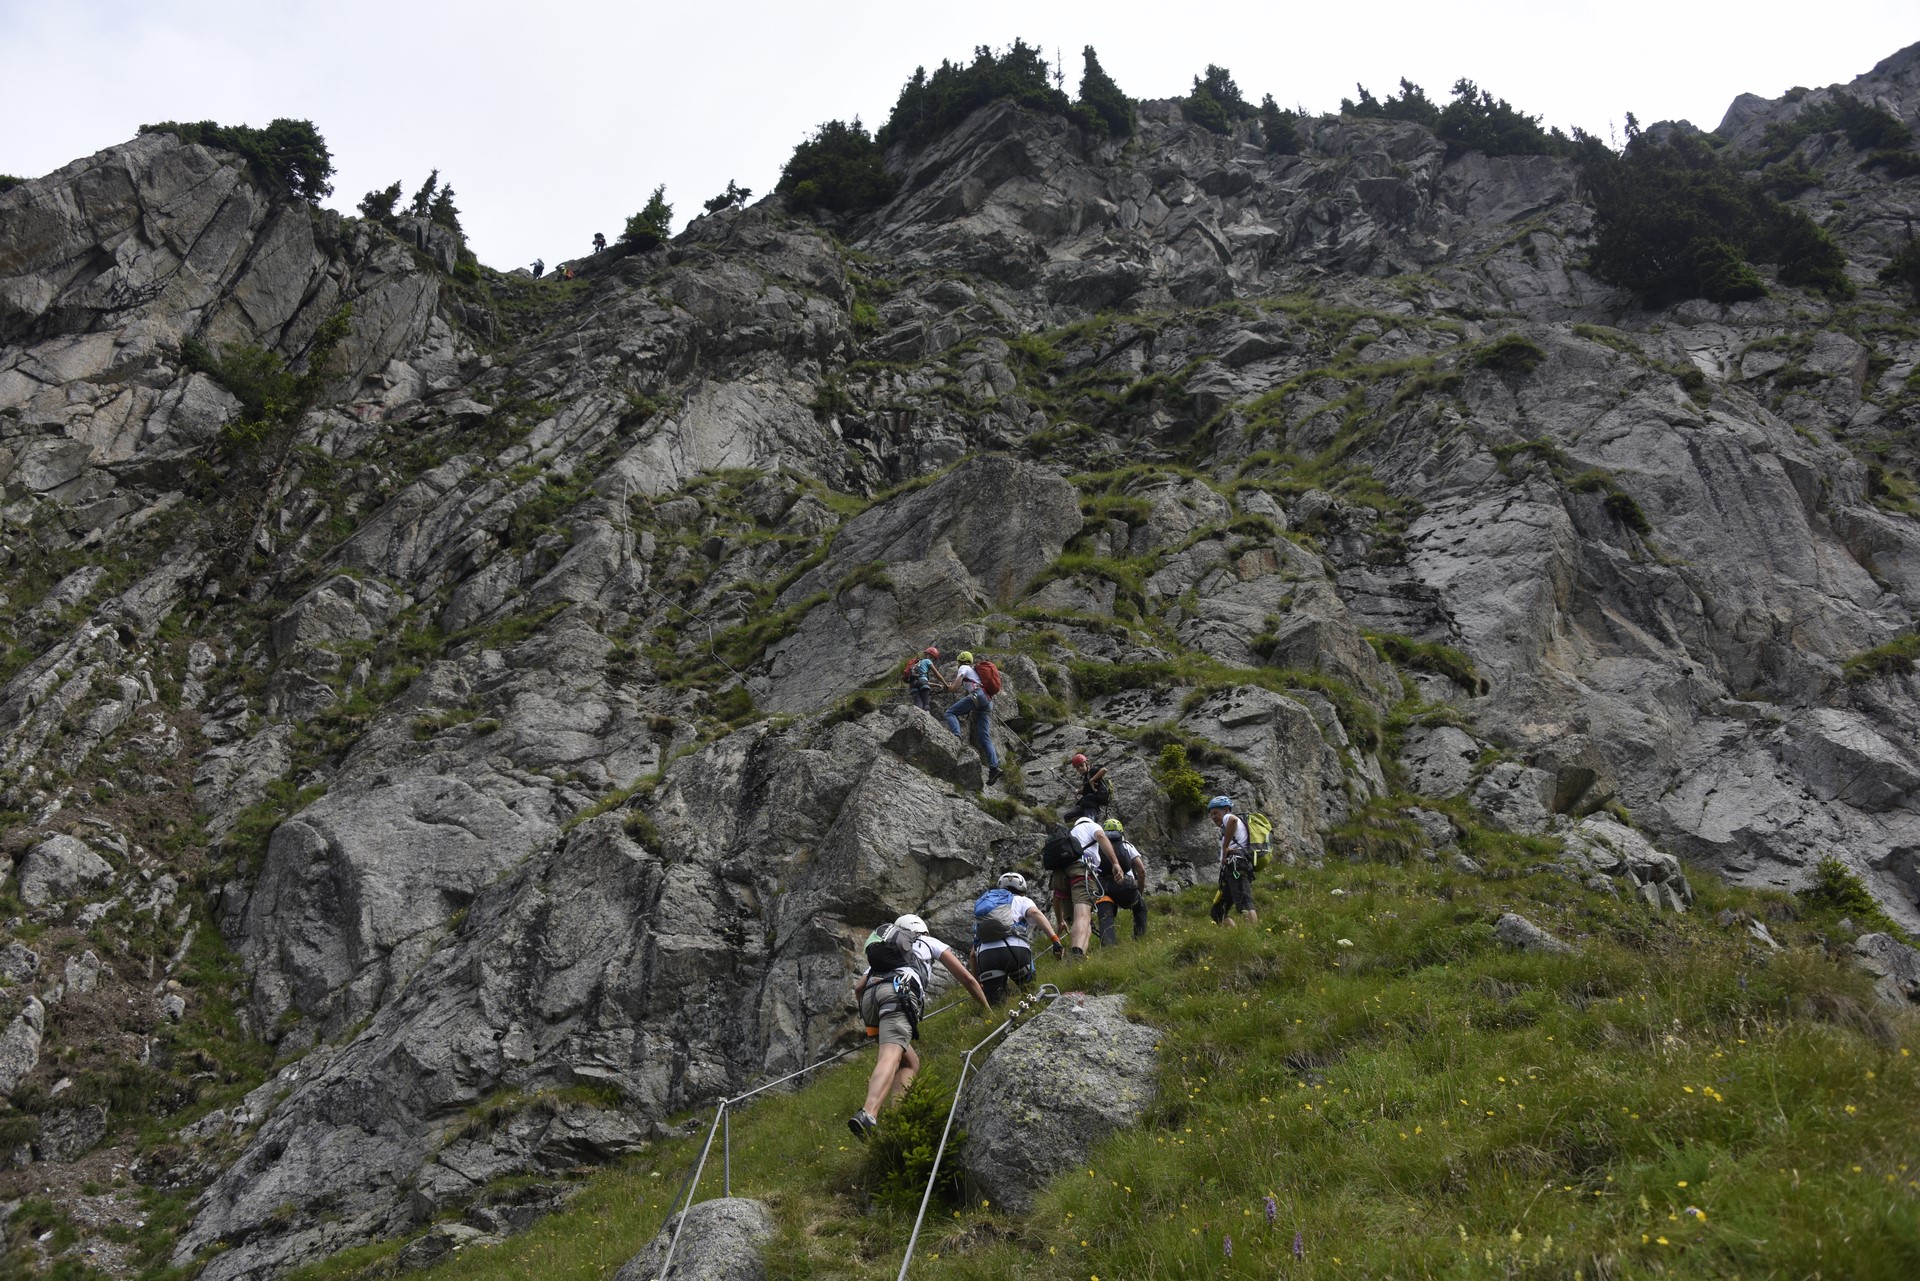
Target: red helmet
932, 651
1078, 760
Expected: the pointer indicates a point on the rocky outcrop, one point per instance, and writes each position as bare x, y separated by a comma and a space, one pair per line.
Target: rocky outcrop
1056, 1086
58, 868
1519, 933
539, 712
20, 1044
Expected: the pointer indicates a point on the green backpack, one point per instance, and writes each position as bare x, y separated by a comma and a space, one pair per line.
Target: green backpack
1260, 839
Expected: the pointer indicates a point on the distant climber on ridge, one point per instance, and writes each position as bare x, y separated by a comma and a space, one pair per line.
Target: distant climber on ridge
1003, 922
978, 683
892, 992
539, 268
599, 242
1129, 891
920, 676
1096, 793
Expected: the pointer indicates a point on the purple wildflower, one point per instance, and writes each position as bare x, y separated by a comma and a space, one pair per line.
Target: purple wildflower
1299, 1245
1273, 1209
1226, 1246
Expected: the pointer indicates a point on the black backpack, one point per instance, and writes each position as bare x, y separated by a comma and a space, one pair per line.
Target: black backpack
1061, 850
890, 948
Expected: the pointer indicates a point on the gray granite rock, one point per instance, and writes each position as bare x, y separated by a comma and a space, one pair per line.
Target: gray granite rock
1056, 1086
721, 1240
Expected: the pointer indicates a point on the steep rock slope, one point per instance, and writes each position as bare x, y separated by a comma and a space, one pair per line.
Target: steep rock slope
524, 685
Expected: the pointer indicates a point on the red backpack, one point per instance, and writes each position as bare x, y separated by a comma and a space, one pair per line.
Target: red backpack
989, 676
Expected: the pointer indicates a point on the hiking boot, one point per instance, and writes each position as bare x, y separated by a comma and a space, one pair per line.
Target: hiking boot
862, 1125
993, 776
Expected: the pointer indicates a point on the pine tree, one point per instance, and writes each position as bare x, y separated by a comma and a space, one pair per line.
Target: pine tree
1102, 97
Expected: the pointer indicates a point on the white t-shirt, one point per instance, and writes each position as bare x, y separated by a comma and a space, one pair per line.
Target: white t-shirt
968, 678
1088, 832
1233, 836
1021, 906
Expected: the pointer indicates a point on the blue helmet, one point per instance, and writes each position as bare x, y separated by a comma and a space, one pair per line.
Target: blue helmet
1220, 803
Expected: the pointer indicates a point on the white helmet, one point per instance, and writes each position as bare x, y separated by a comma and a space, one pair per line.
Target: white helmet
912, 922
1013, 881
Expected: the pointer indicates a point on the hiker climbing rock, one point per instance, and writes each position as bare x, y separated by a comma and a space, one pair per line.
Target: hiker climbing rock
921, 675
892, 992
1236, 865
539, 268
1129, 891
599, 242
978, 683
1077, 854
1004, 919
1096, 793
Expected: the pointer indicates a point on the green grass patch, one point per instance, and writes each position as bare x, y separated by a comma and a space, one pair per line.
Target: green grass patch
1370, 1074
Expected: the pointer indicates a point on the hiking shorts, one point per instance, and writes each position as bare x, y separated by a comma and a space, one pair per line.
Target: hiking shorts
1236, 887
1076, 885
891, 1028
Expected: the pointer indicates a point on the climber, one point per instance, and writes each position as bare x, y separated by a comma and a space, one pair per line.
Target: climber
1003, 921
979, 700
1129, 892
539, 268
920, 676
599, 242
1096, 793
1077, 886
892, 991
1236, 865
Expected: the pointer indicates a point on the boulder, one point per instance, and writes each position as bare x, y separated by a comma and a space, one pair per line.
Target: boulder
58, 868
1894, 965
20, 1045
1056, 1086
1518, 932
18, 962
1439, 760
1515, 796
722, 1241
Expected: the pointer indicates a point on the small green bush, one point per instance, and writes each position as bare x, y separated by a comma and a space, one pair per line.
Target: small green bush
1185, 788
378, 206
733, 196
899, 1155
1108, 111
1278, 128
1905, 268
1895, 657
841, 169
1898, 164
1477, 121
1867, 127
290, 153
8, 182
1836, 889
650, 228
1216, 103
930, 106
1510, 354
1412, 104
1675, 219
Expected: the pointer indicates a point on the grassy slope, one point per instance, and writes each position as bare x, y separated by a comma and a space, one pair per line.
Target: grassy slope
1420, 1103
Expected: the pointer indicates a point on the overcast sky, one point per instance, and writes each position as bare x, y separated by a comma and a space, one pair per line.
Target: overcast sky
554, 120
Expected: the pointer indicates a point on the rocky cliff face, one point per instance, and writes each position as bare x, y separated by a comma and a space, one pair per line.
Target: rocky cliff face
509, 708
